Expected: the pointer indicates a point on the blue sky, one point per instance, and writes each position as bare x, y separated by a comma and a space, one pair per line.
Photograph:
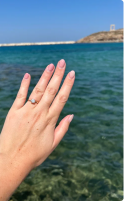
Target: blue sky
56, 20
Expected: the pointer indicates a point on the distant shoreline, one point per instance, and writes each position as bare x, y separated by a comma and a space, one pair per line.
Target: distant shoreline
39, 43
56, 43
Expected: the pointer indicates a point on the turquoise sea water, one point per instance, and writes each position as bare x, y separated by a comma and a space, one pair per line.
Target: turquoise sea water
87, 164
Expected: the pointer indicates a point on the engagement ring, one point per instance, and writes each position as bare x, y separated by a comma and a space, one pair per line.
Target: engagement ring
33, 101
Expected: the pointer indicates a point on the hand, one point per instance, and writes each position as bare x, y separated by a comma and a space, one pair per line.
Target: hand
29, 134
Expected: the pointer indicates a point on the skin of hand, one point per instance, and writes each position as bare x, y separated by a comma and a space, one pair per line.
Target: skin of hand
29, 133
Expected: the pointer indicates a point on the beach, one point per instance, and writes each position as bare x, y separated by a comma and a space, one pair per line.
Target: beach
38, 43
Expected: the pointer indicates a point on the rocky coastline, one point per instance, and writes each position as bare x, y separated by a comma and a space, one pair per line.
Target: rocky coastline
103, 37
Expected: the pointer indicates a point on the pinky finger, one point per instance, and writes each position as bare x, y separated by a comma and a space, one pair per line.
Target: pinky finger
61, 130
22, 93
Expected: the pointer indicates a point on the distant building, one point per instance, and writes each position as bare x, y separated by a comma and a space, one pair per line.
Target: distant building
112, 27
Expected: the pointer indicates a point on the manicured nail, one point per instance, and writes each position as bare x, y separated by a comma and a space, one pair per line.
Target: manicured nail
70, 118
61, 63
72, 74
26, 76
50, 68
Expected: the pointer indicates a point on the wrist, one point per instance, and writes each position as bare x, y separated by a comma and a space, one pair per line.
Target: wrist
12, 173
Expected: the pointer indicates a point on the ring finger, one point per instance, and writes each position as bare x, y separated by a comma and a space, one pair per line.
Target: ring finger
39, 89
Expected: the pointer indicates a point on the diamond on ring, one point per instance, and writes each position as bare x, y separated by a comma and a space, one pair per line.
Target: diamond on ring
33, 101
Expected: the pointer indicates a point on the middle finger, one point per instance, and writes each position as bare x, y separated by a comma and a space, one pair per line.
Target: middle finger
53, 85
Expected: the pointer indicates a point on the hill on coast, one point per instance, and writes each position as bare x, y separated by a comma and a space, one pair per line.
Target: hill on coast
104, 36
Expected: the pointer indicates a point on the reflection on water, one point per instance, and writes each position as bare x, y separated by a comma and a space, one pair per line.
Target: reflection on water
87, 164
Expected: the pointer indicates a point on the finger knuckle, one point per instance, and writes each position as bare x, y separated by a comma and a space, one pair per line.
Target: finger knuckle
58, 73
69, 83
21, 96
52, 91
50, 121
36, 116
37, 90
63, 98
10, 116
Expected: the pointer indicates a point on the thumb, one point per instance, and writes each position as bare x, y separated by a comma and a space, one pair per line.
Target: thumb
61, 129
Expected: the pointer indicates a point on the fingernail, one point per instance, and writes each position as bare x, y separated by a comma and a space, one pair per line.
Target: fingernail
50, 67
72, 74
26, 76
70, 118
61, 63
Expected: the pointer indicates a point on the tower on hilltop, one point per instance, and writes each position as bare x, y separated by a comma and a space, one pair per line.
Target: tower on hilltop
112, 27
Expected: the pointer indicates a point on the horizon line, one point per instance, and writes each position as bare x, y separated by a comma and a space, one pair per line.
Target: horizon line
37, 43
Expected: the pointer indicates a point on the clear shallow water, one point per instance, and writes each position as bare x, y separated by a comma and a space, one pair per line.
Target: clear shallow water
87, 164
